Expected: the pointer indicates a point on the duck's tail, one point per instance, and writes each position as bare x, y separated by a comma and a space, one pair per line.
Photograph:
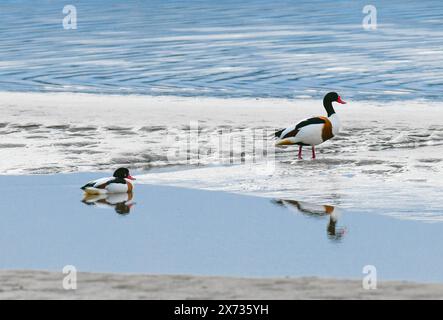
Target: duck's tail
89, 184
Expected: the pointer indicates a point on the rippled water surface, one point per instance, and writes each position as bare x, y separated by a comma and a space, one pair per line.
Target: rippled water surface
224, 48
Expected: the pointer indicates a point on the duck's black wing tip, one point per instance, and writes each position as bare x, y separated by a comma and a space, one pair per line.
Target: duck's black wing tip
88, 185
278, 133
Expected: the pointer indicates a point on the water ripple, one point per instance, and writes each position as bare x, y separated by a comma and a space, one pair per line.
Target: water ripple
253, 48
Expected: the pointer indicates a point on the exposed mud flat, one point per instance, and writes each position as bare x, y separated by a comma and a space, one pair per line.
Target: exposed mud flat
48, 285
386, 156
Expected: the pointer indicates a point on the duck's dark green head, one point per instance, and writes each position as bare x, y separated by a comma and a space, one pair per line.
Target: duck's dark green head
333, 97
123, 173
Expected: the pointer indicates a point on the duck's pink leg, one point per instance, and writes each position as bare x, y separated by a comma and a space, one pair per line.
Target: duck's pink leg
313, 152
299, 153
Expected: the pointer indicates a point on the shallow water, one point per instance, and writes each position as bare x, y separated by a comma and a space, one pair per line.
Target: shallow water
46, 226
251, 48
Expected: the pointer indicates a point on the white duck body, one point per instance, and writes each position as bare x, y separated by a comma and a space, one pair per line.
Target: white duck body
106, 185
308, 132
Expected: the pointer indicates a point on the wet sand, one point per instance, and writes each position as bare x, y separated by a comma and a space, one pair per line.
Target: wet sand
391, 161
48, 285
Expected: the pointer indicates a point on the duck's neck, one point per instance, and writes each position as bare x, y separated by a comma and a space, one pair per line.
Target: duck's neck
328, 107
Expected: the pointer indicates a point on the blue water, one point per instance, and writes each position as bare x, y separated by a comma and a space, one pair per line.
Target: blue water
250, 48
182, 231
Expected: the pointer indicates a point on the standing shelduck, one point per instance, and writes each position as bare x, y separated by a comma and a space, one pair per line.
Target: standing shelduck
313, 131
120, 182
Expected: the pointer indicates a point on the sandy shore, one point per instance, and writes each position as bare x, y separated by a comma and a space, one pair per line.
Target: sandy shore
48, 285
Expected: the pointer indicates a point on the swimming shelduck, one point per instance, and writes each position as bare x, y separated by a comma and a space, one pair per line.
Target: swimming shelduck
120, 182
313, 131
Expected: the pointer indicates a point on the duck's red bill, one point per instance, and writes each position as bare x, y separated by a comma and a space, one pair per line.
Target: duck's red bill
339, 100
130, 178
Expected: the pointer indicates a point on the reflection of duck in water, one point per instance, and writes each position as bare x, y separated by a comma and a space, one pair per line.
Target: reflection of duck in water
312, 210
120, 202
